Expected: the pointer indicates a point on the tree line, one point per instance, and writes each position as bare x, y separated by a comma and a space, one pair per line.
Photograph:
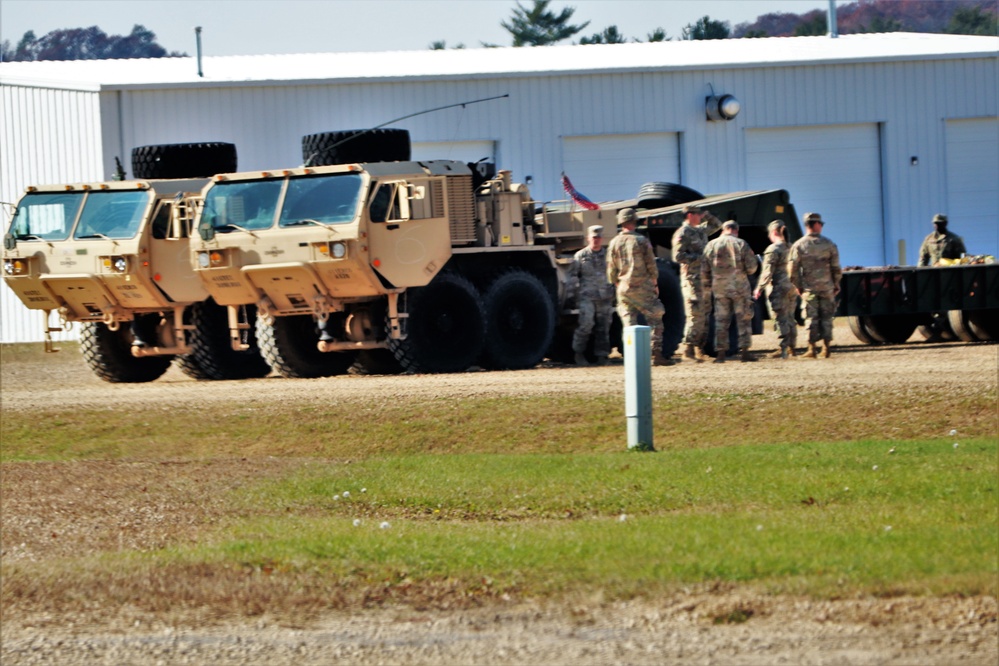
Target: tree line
538, 24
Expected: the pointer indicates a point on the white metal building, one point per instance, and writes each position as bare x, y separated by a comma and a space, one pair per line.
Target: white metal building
877, 132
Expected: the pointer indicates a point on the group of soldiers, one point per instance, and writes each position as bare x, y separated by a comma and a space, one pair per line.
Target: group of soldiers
718, 270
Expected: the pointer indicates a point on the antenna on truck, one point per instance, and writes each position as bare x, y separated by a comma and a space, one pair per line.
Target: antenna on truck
411, 115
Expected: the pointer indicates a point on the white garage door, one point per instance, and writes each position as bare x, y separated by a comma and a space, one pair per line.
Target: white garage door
973, 183
462, 151
834, 170
610, 167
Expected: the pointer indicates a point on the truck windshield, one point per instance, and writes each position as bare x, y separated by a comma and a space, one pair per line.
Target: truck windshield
328, 199
115, 214
236, 205
46, 215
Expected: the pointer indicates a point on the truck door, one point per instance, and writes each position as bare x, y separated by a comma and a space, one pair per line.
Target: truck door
408, 242
170, 257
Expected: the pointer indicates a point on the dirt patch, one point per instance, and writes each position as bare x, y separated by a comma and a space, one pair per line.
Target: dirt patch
56, 510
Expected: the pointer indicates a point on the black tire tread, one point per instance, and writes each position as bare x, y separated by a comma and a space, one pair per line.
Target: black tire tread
183, 160
289, 348
347, 146
108, 354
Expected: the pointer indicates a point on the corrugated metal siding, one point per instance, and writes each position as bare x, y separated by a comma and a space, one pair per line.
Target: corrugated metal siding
909, 100
48, 136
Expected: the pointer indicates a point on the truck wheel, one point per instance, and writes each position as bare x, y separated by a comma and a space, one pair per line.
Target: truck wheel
890, 329
859, 330
660, 195
984, 324
377, 362
212, 355
671, 297
289, 346
445, 329
961, 326
344, 147
109, 355
520, 318
183, 160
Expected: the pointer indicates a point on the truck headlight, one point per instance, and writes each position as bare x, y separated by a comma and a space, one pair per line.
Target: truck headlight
338, 250
15, 266
334, 250
115, 264
203, 260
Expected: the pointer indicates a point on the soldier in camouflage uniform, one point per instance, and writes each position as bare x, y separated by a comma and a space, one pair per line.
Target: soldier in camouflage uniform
813, 268
631, 268
725, 269
688, 247
781, 296
594, 297
941, 244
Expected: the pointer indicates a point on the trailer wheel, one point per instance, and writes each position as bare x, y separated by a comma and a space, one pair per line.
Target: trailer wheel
446, 327
936, 328
377, 362
212, 355
183, 160
289, 346
984, 324
344, 147
671, 297
859, 330
659, 195
520, 321
109, 355
960, 324
891, 329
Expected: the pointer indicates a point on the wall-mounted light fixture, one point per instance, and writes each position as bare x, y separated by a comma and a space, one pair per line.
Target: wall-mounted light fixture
721, 107
914, 161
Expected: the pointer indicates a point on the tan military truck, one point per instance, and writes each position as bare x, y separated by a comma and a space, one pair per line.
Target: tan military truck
115, 257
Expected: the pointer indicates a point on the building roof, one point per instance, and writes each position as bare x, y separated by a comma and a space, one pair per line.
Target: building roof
493, 62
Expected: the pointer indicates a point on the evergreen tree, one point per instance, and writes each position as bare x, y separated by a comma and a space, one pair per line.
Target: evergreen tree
973, 21
706, 28
610, 35
538, 26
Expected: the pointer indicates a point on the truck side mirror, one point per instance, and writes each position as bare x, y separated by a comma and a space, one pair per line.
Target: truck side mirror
416, 192
206, 230
9, 241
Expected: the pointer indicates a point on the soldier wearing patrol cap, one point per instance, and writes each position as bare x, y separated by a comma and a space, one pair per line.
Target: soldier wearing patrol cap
688, 246
594, 297
631, 268
781, 296
814, 271
941, 244
727, 263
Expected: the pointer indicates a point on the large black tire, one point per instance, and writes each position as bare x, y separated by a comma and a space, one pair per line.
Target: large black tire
377, 362
984, 324
671, 296
445, 330
660, 195
520, 321
212, 355
858, 327
960, 324
347, 146
891, 329
109, 355
289, 344
183, 160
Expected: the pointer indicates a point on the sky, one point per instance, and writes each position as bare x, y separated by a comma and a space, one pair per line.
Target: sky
253, 27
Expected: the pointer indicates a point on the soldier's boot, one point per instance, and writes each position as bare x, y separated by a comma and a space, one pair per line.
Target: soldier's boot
720, 357
747, 356
790, 352
780, 353
601, 360
810, 352
701, 356
691, 353
827, 349
659, 360
581, 359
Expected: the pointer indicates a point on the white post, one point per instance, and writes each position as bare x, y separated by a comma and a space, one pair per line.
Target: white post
638, 387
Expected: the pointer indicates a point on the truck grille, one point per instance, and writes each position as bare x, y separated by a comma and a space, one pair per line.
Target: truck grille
461, 209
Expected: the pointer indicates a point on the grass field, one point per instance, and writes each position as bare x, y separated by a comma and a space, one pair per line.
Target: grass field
440, 504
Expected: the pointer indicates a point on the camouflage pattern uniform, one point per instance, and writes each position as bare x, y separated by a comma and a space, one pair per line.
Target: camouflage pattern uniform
594, 299
688, 248
725, 269
631, 267
813, 268
780, 294
941, 244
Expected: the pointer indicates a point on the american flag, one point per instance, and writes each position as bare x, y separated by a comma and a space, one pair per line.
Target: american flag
576, 197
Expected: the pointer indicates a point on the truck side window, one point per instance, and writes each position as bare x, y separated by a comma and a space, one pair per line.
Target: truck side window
161, 223
383, 200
